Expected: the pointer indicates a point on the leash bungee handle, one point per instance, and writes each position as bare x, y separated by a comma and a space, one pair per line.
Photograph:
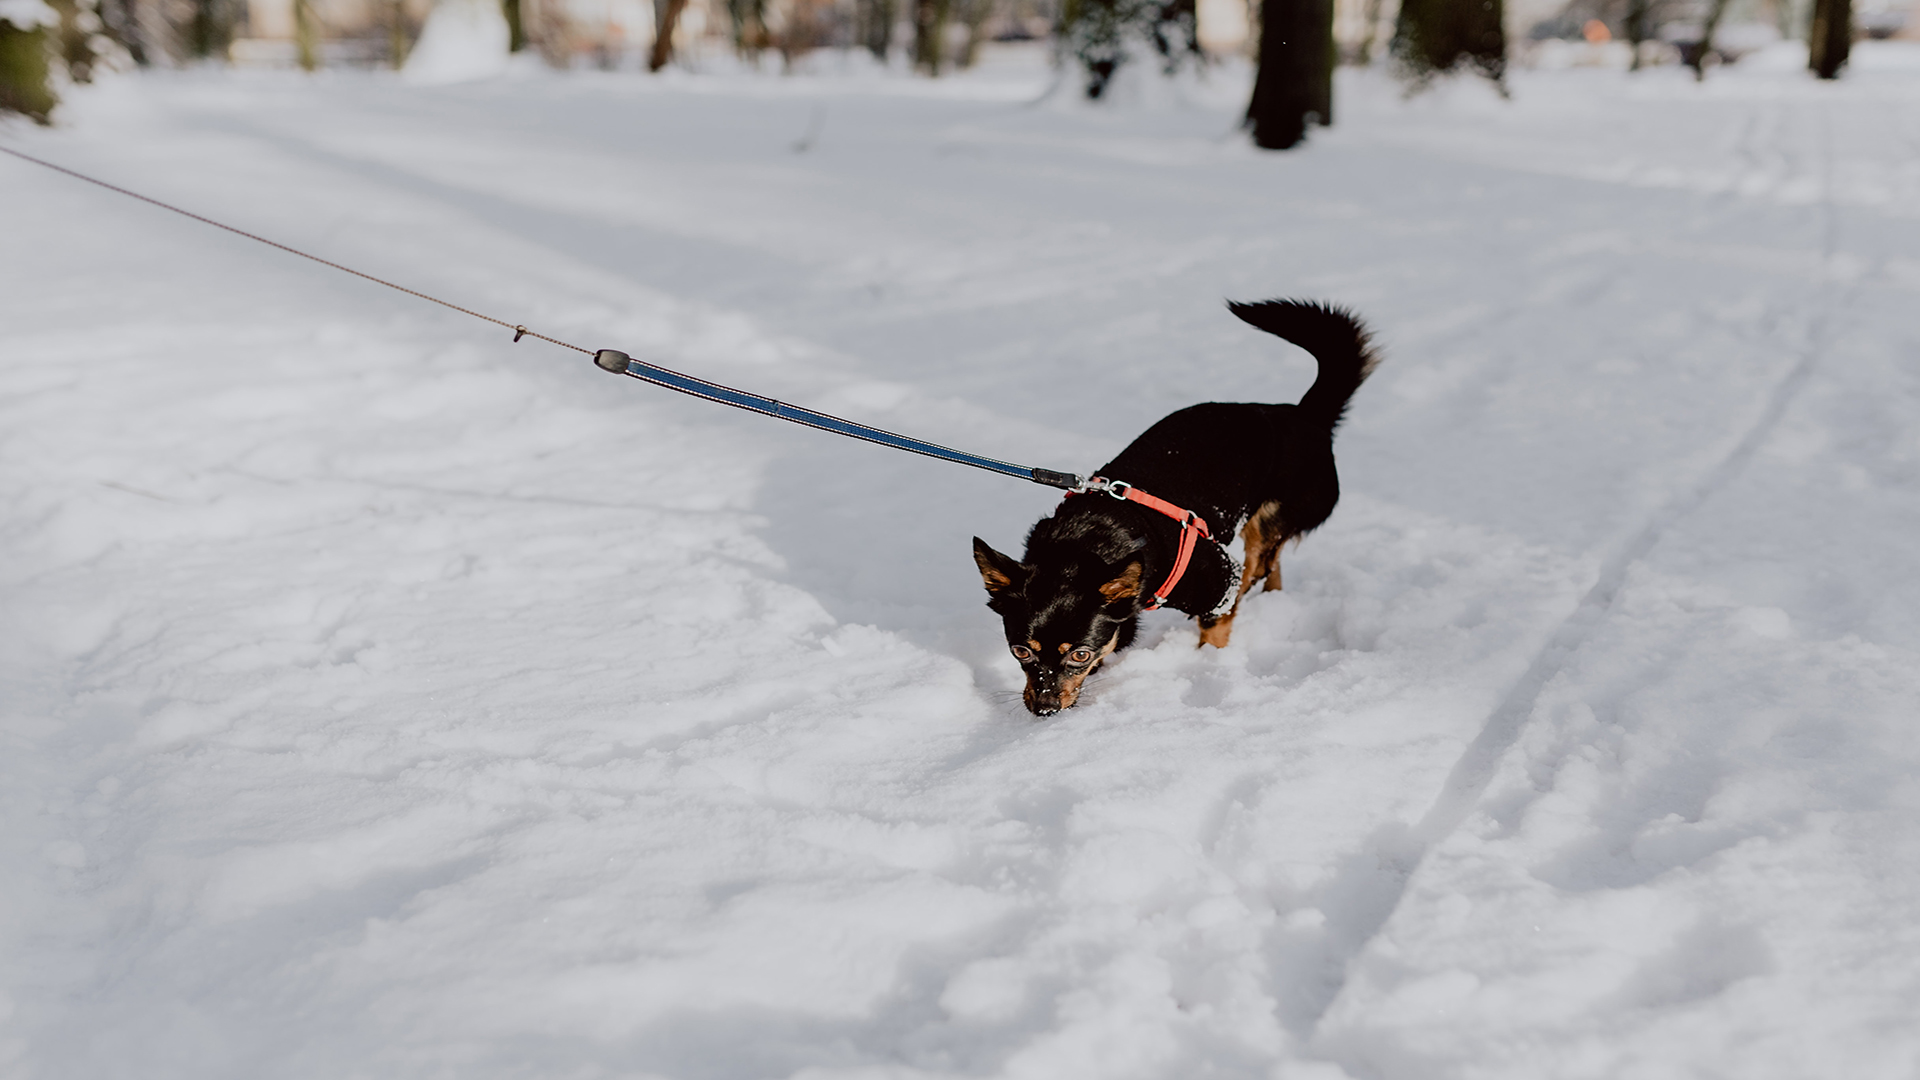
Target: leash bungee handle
619, 363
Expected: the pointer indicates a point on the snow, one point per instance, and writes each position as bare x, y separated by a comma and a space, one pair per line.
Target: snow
462, 40
27, 14
384, 699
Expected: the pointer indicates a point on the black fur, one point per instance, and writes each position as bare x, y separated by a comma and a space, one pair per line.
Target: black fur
1225, 462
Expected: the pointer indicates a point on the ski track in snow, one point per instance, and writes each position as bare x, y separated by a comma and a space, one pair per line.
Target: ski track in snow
388, 701
1468, 780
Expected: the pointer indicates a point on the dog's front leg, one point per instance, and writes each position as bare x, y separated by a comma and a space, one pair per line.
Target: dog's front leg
1215, 631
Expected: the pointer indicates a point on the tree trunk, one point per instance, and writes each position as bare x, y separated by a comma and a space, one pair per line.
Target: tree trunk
23, 72
876, 27
397, 40
929, 34
516, 25
666, 17
1294, 84
306, 35
1830, 37
1697, 56
749, 27
976, 14
1637, 12
210, 29
1435, 36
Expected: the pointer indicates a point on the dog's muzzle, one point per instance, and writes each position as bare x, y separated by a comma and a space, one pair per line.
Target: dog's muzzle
1044, 696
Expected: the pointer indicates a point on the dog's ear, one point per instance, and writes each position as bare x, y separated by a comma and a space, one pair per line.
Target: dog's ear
999, 572
1124, 586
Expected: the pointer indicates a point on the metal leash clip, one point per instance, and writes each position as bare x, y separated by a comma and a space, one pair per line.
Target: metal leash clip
1116, 488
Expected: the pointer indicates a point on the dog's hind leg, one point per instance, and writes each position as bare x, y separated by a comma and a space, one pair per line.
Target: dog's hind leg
1265, 533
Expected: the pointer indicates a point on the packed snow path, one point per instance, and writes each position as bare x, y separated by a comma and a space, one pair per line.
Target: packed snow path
384, 699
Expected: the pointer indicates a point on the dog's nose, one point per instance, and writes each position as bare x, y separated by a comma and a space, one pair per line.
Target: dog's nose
1044, 704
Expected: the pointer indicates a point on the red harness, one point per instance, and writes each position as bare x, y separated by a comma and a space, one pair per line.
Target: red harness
1192, 528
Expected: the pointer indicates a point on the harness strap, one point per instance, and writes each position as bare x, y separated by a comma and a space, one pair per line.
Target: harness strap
1192, 528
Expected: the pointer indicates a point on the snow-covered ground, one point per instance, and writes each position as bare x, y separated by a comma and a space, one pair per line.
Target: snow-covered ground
384, 699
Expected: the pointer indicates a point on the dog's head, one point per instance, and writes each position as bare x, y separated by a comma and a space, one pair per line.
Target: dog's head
1063, 615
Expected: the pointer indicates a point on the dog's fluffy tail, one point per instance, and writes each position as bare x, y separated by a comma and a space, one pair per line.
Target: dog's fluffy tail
1333, 335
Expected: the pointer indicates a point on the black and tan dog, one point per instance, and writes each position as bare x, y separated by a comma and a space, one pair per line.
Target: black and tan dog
1260, 473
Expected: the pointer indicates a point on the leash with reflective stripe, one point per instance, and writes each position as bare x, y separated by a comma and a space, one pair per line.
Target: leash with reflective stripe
620, 363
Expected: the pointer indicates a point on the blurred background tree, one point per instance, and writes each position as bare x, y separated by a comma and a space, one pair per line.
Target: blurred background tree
209, 29
973, 15
749, 26
1093, 40
1433, 37
1695, 54
873, 23
1293, 86
1105, 35
516, 25
24, 69
84, 41
666, 19
306, 35
1829, 37
929, 34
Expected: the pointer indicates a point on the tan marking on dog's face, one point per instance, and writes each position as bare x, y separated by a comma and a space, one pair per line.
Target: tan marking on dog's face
1127, 584
1070, 684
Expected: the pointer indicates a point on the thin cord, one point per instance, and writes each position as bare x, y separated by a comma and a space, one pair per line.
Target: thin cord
518, 331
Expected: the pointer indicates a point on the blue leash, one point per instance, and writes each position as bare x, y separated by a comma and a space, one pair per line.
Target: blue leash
621, 364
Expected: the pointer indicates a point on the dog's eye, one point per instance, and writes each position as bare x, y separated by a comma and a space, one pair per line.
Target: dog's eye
1021, 652
1080, 655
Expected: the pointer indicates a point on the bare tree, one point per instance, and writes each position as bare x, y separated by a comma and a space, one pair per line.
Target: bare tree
749, 26
875, 26
1433, 37
1638, 22
516, 25
1106, 35
929, 33
1294, 84
1696, 54
82, 37
974, 15
23, 72
1830, 37
399, 39
808, 25
209, 29
666, 17
306, 35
